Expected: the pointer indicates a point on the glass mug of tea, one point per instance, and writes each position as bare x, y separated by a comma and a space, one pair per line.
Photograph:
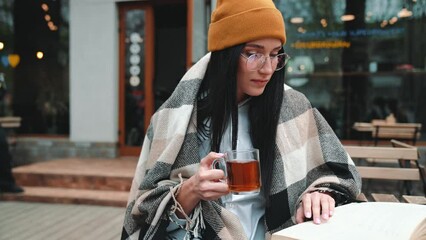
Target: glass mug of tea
242, 170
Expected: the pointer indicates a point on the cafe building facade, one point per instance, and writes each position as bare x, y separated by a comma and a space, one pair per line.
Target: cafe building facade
86, 75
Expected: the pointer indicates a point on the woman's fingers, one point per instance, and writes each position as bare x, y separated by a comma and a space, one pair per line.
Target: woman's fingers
325, 208
300, 215
208, 182
316, 207
307, 205
331, 203
212, 190
206, 162
207, 172
211, 174
319, 206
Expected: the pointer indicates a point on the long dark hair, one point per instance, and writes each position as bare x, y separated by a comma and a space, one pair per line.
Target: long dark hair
217, 103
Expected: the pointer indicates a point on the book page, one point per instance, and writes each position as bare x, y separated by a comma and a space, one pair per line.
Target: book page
420, 231
369, 220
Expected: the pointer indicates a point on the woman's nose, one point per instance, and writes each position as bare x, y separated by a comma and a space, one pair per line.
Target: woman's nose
267, 67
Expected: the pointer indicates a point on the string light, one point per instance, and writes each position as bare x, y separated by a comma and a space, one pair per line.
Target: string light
301, 30
48, 18
405, 13
39, 55
348, 17
324, 22
296, 20
393, 20
45, 7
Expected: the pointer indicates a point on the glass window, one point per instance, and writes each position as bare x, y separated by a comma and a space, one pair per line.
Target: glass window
358, 60
135, 76
34, 64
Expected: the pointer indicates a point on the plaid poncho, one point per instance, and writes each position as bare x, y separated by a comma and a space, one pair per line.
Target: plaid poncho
309, 157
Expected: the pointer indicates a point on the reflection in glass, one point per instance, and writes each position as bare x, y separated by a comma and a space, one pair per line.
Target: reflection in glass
35, 64
134, 77
377, 54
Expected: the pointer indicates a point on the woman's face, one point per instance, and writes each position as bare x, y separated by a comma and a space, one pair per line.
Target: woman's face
253, 82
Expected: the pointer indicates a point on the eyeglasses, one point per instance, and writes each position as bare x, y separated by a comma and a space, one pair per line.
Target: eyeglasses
256, 61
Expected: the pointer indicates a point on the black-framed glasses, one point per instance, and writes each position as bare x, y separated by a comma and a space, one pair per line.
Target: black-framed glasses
256, 61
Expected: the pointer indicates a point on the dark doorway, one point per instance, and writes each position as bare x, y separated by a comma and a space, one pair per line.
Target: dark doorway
170, 48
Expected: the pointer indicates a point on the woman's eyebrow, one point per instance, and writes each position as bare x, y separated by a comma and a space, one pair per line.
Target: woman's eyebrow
260, 46
254, 45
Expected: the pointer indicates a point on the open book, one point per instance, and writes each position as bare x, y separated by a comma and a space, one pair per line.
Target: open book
367, 220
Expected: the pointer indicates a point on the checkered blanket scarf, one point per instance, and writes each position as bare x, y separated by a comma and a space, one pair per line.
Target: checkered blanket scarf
309, 157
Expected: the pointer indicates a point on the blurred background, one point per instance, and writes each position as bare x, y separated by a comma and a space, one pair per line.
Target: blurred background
85, 76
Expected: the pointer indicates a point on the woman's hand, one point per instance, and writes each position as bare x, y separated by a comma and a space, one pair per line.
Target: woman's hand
204, 185
206, 182
315, 205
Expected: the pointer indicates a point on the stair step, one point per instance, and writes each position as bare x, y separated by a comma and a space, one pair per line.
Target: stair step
74, 181
69, 196
104, 182
89, 174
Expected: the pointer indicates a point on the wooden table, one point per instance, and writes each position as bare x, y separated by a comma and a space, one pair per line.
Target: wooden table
363, 127
384, 130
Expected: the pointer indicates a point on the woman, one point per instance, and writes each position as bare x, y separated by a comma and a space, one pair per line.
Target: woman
235, 98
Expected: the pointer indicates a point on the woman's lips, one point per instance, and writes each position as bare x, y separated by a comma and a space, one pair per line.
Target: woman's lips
259, 82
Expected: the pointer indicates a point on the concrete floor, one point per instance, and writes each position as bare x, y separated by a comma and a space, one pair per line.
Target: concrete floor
43, 221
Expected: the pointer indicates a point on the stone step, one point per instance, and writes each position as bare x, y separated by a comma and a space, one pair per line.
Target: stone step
69, 196
89, 174
74, 181
104, 182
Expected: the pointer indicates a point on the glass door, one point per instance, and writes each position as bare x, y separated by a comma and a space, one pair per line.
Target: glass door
136, 46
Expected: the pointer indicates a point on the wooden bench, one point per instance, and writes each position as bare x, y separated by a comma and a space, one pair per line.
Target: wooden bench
403, 163
10, 122
386, 173
385, 197
399, 131
414, 199
385, 153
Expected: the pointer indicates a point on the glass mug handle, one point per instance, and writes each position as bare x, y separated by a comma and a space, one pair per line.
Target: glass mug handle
220, 163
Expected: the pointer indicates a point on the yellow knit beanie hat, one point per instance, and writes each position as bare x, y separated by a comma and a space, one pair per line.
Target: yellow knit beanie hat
238, 21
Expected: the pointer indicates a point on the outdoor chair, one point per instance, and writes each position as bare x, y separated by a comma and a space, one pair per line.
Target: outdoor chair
386, 172
400, 131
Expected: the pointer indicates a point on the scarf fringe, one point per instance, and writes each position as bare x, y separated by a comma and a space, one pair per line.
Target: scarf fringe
194, 224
